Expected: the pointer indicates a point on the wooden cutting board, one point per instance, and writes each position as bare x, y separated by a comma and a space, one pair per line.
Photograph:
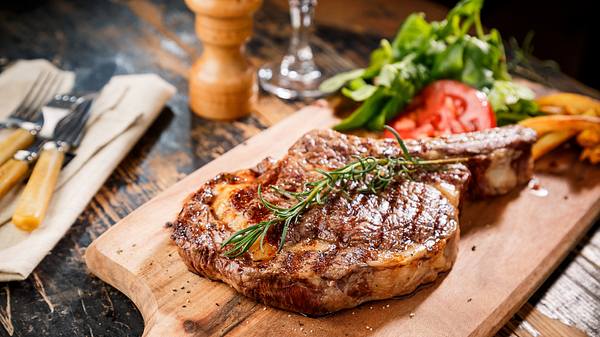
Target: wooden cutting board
508, 246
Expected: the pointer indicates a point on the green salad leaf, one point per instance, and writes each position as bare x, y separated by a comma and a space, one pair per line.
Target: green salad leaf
449, 63
422, 52
364, 113
413, 35
379, 57
336, 82
511, 102
361, 93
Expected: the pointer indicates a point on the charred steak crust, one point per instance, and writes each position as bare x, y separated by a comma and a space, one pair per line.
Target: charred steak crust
354, 248
500, 158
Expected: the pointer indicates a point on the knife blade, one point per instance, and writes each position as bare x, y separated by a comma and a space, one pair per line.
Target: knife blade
33, 202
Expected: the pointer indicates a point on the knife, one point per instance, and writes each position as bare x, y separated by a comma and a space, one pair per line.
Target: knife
16, 169
33, 203
44, 121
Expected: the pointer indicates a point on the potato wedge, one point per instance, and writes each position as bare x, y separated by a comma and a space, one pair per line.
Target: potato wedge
550, 141
568, 103
546, 124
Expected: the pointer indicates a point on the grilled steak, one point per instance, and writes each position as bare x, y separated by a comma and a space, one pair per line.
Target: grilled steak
357, 247
499, 158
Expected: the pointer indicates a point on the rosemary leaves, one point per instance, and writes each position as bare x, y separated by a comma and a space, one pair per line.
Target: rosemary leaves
371, 174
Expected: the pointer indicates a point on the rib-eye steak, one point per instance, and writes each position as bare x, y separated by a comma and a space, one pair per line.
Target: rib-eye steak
356, 247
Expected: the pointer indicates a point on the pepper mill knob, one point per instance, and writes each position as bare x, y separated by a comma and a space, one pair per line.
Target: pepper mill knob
222, 83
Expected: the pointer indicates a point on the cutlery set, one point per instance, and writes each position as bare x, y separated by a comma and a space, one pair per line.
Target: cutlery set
44, 127
27, 118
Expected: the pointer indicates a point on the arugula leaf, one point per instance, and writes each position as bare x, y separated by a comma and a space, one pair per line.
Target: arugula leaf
512, 102
356, 83
379, 57
387, 75
365, 112
402, 80
377, 122
479, 60
393, 106
466, 11
517, 112
505, 93
359, 94
414, 34
449, 63
405, 68
501, 68
334, 83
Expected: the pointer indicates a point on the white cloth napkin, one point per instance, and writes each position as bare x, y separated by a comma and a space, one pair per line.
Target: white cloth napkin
126, 107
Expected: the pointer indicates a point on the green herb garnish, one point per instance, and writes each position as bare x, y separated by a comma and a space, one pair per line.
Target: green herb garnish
371, 173
423, 52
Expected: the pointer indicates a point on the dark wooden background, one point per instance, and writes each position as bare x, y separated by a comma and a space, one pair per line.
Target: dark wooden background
61, 298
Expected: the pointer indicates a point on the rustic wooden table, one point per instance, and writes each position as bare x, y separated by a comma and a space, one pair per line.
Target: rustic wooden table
62, 299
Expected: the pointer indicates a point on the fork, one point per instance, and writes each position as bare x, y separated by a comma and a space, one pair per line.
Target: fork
33, 202
26, 117
17, 167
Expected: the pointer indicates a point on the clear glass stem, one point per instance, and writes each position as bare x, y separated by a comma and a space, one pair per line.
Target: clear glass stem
296, 76
298, 64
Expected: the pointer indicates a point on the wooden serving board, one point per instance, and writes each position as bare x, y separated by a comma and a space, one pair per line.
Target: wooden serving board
508, 246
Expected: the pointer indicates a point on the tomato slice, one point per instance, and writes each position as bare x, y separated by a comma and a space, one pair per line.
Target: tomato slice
444, 107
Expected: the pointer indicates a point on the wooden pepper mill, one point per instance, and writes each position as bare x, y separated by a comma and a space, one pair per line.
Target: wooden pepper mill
223, 82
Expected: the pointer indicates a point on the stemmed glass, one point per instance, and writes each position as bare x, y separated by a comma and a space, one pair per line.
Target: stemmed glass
296, 76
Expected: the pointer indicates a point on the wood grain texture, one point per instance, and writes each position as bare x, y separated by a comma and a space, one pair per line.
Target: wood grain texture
509, 245
158, 36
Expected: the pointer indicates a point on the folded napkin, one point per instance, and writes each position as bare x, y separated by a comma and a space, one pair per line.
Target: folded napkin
126, 107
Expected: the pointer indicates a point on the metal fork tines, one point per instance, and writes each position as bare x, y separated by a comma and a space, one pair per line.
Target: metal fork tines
58, 112
27, 114
26, 120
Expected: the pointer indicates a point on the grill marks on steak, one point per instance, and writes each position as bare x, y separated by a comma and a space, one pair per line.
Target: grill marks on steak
352, 249
405, 213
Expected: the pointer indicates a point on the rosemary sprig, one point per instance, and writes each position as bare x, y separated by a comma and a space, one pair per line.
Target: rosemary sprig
371, 173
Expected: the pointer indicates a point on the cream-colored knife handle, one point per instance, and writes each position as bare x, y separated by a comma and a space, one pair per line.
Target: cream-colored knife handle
11, 174
19, 139
33, 203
